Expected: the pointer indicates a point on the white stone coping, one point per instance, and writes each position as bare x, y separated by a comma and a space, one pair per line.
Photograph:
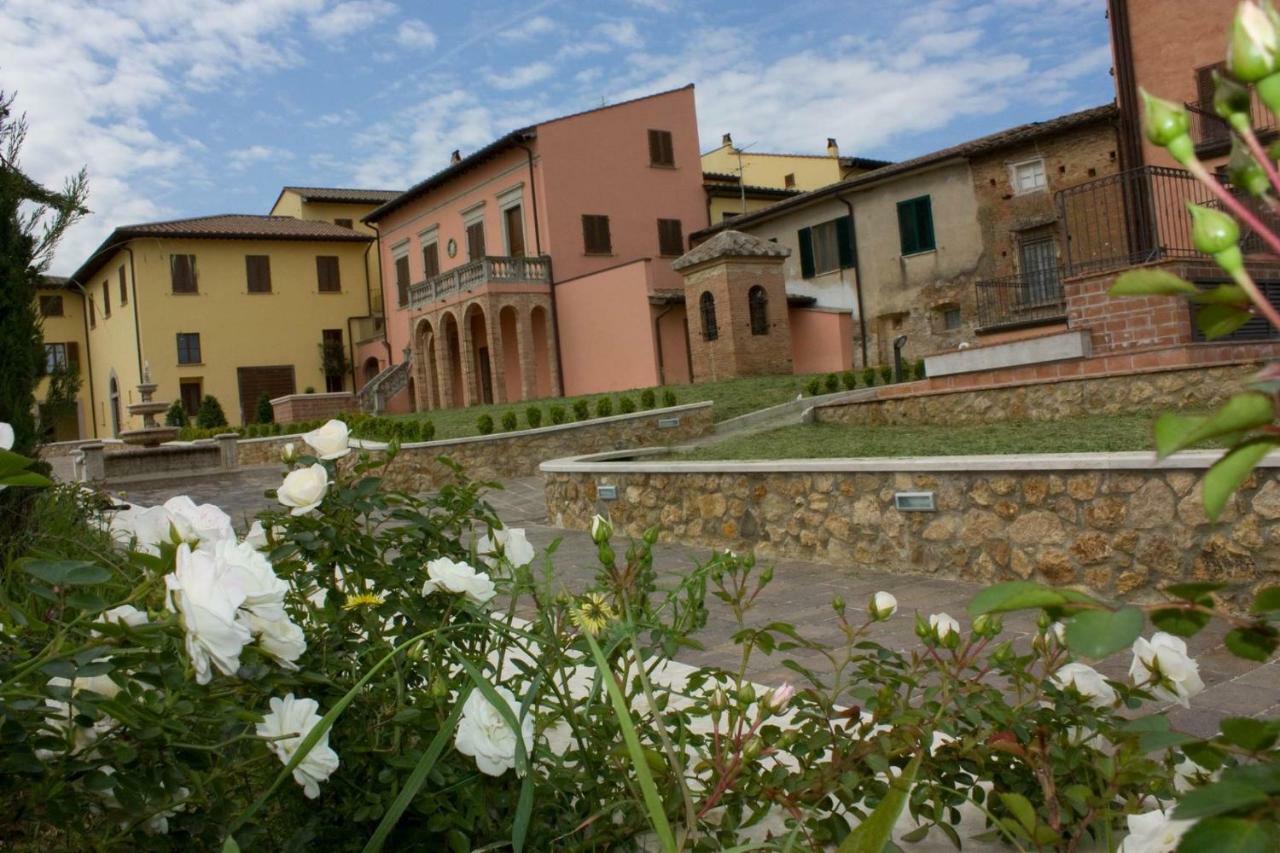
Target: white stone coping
626, 462
322, 395
519, 433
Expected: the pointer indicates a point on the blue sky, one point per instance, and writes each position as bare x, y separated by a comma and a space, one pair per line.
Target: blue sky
210, 106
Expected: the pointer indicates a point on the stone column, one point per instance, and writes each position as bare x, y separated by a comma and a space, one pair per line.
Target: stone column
443, 378
228, 448
524, 339
467, 351
497, 364
93, 462
553, 355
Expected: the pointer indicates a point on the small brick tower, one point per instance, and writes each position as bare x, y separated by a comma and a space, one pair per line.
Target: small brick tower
736, 307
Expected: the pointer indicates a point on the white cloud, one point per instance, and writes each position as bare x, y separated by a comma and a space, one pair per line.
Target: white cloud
521, 77
655, 5
242, 158
416, 34
621, 33
349, 17
530, 28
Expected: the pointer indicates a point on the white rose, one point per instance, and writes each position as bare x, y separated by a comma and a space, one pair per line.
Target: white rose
304, 489
452, 576
1162, 665
1059, 633
205, 594
6, 436
1087, 681
601, 529
142, 528
125, 614
199, 524
283, 639
943, 625
1189, 775
1153, 832
297, 717
252, 575
882, 606
289, 452
484, 735
330, 441
62, 722
509, 542
257, 536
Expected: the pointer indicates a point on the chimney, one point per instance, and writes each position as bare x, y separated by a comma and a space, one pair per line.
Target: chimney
727, 139
833, 150
455, 157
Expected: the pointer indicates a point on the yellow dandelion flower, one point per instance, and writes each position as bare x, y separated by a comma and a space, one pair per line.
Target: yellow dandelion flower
592, 613
362, 599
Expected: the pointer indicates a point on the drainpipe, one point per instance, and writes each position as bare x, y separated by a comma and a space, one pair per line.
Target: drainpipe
657, 339
137, 325
551, 278
88, 358
857, 274
386, 323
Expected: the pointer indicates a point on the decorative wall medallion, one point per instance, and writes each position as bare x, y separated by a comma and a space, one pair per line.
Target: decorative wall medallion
451, 247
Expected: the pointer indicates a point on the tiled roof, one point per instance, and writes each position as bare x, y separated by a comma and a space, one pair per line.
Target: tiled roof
344, 195
225, 226
1009, 138
730, 244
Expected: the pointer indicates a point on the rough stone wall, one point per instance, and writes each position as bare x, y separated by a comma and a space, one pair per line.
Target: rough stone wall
515, 454
309, 407
1120, 533
1005, 217
1199, 388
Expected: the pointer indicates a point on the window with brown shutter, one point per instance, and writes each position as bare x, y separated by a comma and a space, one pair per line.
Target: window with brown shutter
257, 270
73, 356
182, 273
475, 241
191, 393
595, 235
124, 290
402, 281
514, 219
670, 237
106, 299
431, 260
93, 314
661, 152
345, 223
327, 274
51, 306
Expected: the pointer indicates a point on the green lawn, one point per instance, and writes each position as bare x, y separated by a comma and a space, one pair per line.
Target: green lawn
1075, 435
731, 397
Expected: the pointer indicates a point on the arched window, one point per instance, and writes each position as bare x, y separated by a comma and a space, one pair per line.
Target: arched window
758, 308
707, 304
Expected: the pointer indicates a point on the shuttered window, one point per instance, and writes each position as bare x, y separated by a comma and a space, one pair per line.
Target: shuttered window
327, 277
124, 290
182, 273
595, 235
257, 270
106, 299
670, 237
402, 281
345, 223
915, 225
475, 241
431, 260
188, 347
707, 308
189, 391
50, 306
826, 247
661, 153
73, 355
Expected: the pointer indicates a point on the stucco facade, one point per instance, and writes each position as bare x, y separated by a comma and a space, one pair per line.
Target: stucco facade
62, 321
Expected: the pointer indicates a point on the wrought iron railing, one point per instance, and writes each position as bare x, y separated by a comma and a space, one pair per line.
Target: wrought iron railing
473, 274
1020, 300
1211, 134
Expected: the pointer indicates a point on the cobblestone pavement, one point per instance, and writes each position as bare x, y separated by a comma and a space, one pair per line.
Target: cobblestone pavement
801, 594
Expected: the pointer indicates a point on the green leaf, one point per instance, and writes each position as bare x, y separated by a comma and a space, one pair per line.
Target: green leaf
67, 572
1267, 600
1227, 294
230, 846
1248, 733
26, 478
1182, 623
875, 832
1255, 642
419, 775
1022, 595
1151, 741
1231, 470
1151, 282
1098, 633
1219, 320
1193, 591
1218, 798
1020, 807
1241, 413
1231, 835
1149, 723
11, 462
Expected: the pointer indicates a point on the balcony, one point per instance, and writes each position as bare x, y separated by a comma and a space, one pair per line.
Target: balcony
1212, 135
367, 328
491, 269
1018, 301
1137, 217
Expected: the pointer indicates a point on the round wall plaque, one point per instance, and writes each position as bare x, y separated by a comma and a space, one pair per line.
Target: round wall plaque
451, 247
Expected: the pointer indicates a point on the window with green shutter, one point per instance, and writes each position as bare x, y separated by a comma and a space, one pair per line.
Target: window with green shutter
915, 225
826, 247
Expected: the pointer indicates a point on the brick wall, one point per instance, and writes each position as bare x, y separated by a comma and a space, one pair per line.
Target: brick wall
309, 407
736, 351
1128, 323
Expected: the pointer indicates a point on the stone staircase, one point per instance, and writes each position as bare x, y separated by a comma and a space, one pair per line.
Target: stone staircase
377, 391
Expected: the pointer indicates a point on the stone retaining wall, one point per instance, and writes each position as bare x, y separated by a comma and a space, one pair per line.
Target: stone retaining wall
1115, 523
1198, 388
516, 454
292, 408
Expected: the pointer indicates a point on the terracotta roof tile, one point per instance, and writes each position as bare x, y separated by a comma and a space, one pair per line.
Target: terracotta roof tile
345, 195
730, 244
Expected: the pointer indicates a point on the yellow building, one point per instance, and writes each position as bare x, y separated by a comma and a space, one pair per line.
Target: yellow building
231, 306
740, 180
62, 320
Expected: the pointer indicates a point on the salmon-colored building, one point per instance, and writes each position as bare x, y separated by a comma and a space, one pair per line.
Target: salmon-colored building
540, 265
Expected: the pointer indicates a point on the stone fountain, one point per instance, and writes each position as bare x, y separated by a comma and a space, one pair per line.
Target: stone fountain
152, 434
